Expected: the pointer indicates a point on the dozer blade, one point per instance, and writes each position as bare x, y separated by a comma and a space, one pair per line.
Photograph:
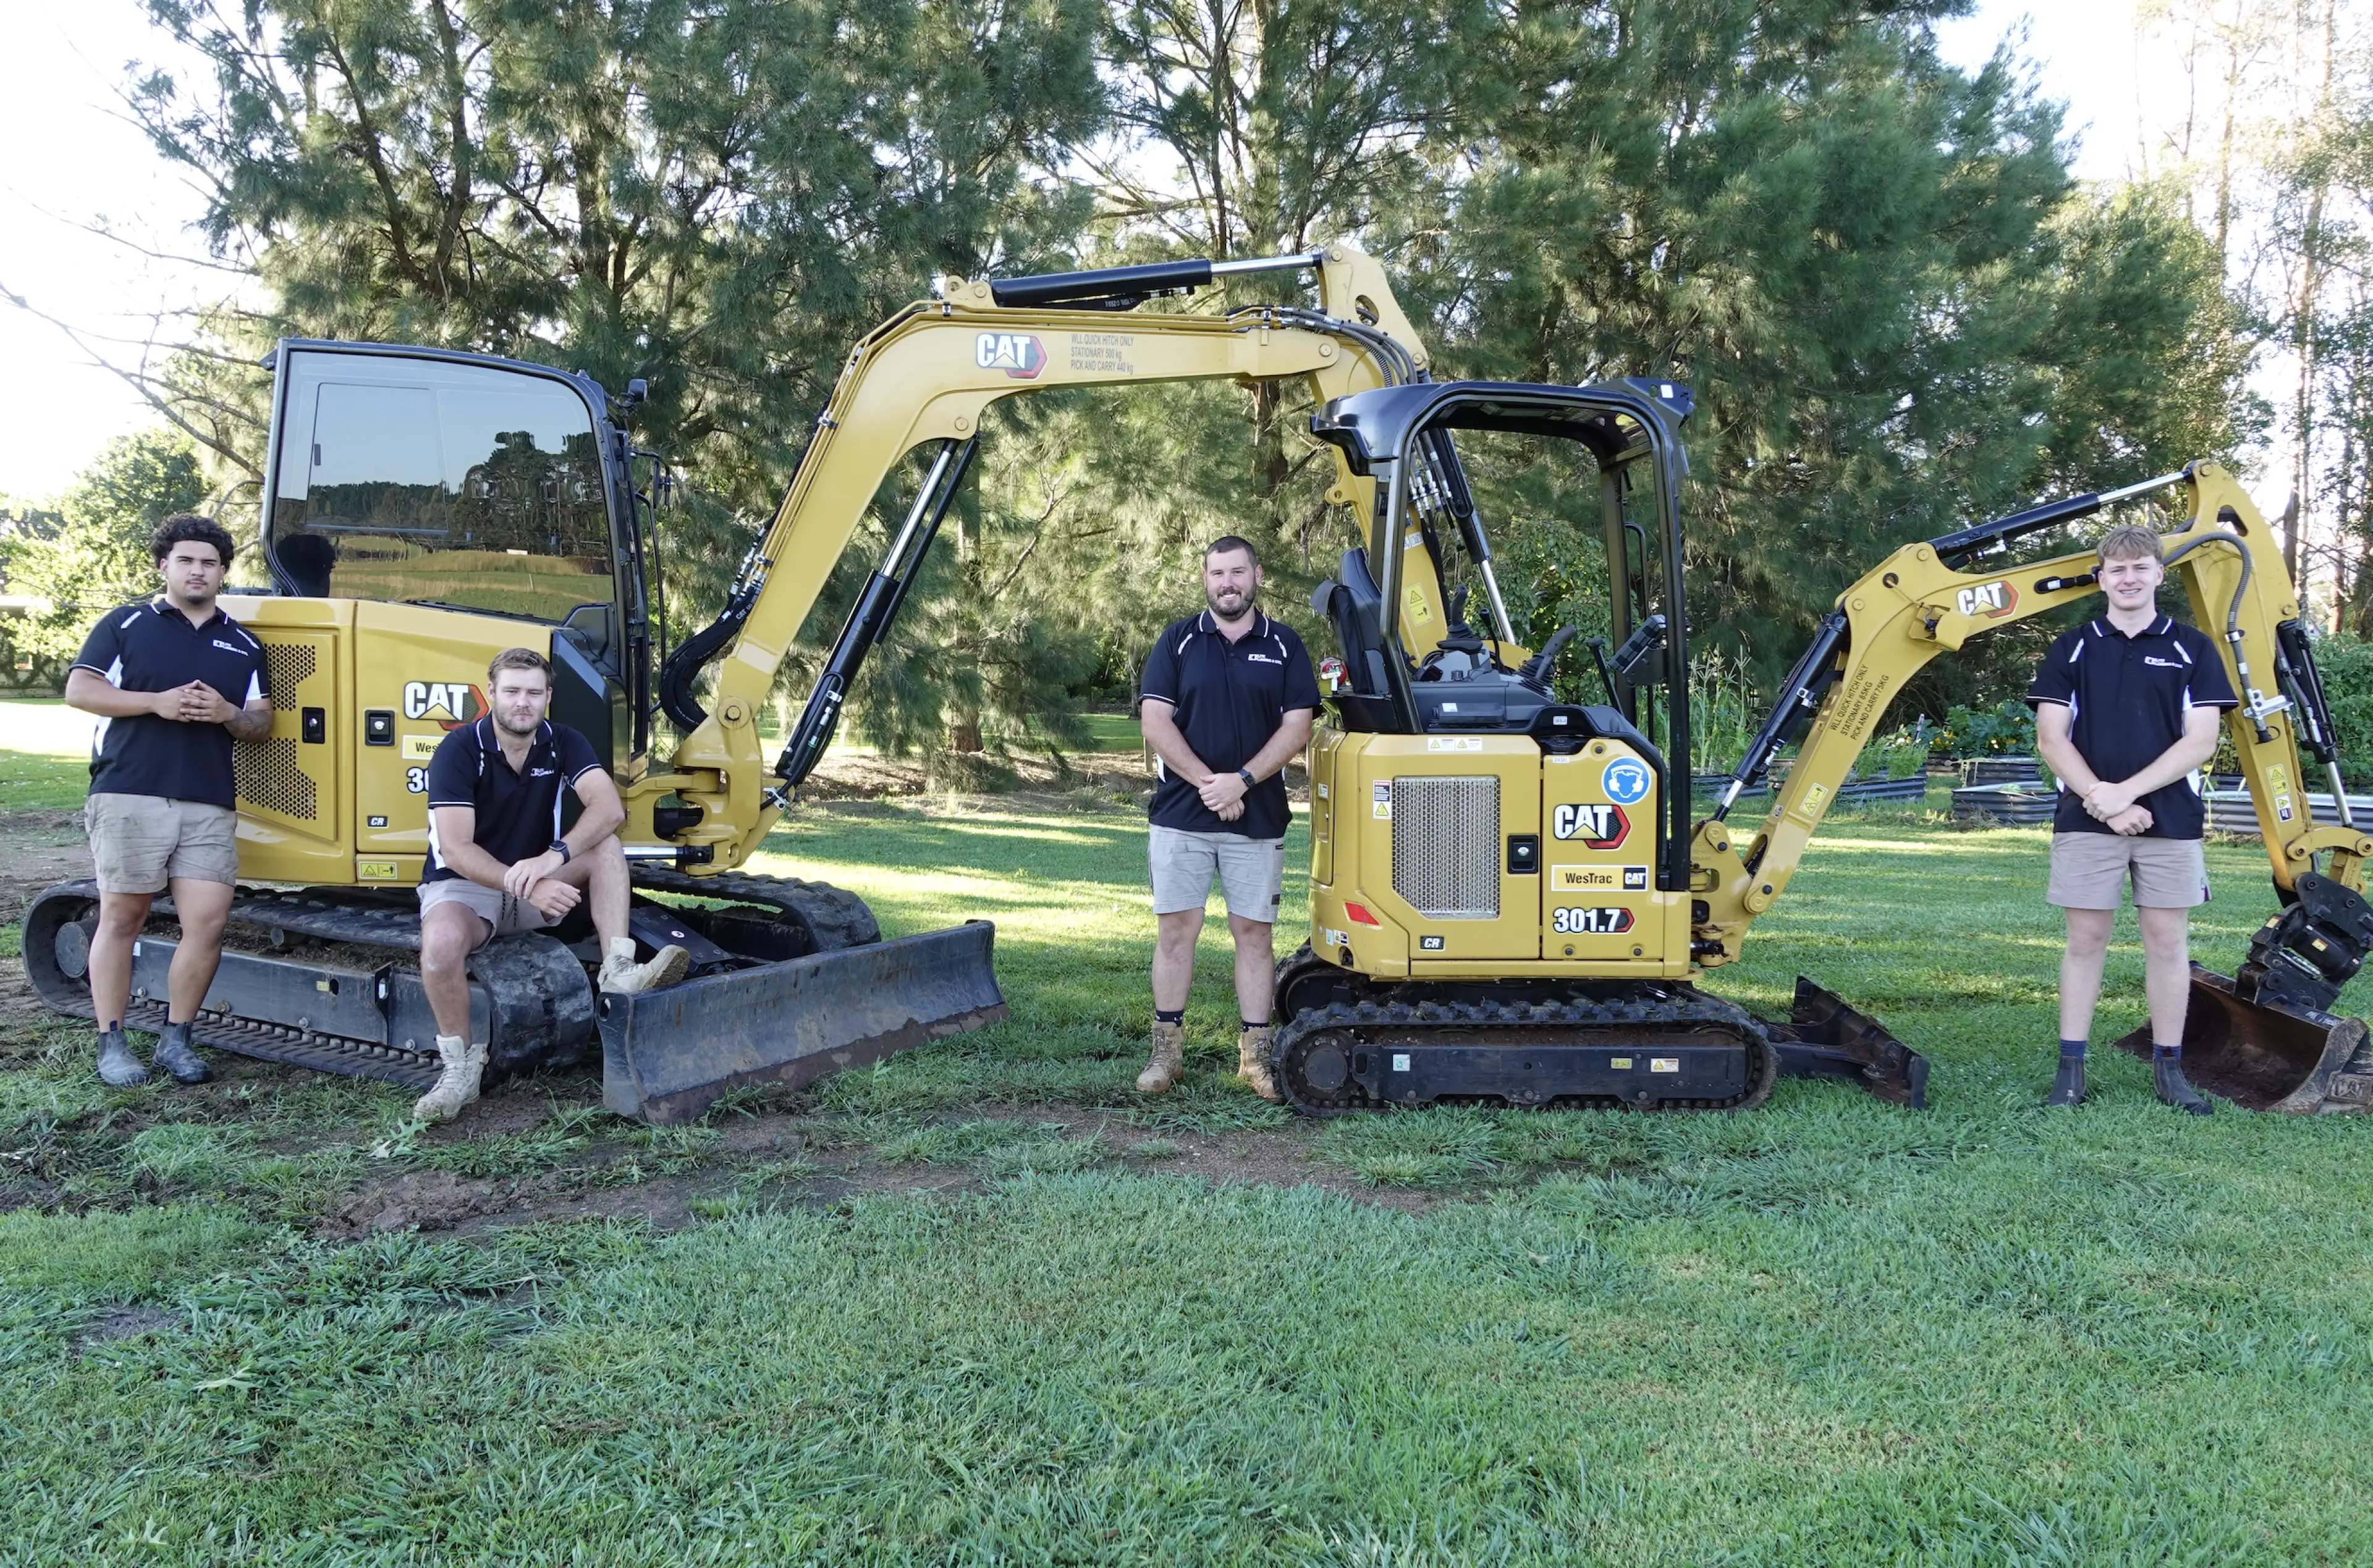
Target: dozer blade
1824, 1038
667, 1056
2268, 1056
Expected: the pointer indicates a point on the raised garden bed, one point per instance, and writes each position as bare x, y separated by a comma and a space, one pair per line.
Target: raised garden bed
2001, 771
2230, 811
1912, 788
2004, 805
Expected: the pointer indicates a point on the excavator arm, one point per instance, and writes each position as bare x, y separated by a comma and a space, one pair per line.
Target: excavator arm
1928, 599
924, 378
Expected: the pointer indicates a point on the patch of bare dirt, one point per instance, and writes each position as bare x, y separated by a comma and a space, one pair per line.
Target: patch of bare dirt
38, 848
419, 1200
126, 1322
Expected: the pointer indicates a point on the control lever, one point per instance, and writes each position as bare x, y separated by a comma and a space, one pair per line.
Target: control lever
1535, 672
1645, 639
1606, 676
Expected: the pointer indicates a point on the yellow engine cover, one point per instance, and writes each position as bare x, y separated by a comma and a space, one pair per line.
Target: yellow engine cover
361, 694
1453, 856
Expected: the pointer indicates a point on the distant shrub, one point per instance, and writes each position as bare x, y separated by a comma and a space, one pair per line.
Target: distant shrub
2006, 729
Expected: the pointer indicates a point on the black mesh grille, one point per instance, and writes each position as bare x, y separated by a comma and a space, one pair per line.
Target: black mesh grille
270, 776
286, 668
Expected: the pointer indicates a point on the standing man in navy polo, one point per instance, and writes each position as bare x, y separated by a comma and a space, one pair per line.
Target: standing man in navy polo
2126, 710
175, 682
498, 863
1228, 695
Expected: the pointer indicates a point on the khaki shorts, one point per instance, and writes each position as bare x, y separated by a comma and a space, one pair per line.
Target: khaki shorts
507, 916
141, 841
1251, 872
2089, 871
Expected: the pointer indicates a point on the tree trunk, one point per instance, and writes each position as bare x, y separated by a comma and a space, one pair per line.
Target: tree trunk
963, 734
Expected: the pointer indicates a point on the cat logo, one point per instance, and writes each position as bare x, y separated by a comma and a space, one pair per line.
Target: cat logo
1600, 827
1993, 600
1019, 354
457, 702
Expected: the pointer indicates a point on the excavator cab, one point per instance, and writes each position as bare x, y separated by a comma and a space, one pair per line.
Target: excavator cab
1501, 851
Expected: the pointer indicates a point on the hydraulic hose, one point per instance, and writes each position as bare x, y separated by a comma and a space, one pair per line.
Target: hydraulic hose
2232, 618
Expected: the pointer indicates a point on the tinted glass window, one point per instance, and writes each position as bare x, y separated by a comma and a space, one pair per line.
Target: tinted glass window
409, 481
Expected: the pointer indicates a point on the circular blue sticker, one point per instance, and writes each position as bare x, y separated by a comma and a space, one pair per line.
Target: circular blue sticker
1625, 781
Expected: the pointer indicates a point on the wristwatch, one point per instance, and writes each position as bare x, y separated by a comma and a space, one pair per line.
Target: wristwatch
1246, 774
560, 848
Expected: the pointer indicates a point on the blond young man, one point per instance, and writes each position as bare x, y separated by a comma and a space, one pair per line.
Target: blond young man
498, 863
2126, 710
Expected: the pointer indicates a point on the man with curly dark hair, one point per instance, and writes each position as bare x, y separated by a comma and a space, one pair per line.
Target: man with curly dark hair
175, 683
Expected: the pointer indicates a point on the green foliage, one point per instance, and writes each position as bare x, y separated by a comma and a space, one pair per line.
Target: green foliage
91, 555
1725, 711
2005, 730
2345, 664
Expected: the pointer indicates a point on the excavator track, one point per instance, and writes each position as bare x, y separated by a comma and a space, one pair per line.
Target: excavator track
537, 1008
1349, 1045
540, 1008
832, 917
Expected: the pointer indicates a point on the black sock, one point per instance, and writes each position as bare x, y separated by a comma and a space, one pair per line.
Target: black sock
1249, 1024
2072, 1048
2166, 1052
1170, 1014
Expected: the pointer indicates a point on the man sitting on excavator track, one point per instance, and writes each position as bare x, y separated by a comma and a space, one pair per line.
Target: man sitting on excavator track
498, 863
2126, 710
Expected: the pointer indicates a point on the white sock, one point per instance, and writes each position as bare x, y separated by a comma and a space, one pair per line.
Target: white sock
456, 1041
622, 951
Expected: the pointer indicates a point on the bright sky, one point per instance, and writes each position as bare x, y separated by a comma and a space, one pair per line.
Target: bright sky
71, 160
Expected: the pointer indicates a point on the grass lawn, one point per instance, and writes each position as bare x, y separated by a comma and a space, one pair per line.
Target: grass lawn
975, 1305
44, 754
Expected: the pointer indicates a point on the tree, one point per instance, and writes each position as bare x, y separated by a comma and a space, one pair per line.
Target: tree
94, 555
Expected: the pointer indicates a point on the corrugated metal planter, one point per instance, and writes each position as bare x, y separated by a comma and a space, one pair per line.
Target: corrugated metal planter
2001, 771
2004, 805
1913, 788
2229, 812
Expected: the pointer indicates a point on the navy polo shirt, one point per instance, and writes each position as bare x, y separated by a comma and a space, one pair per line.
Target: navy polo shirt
153, 647
518, 808
2127, 698
1228, 698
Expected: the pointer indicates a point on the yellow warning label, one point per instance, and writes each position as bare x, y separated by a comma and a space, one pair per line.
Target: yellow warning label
375, 870
420, 748
1418, 610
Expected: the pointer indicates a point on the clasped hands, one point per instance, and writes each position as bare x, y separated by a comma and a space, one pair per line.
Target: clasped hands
195, 704
1223, 794
531, 880
2115, 805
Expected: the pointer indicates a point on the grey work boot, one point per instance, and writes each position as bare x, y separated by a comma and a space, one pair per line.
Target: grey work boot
174, 1055
1169, 1061
457, 1085
118, 1068
2172, 1088
1251, 1061
620, 972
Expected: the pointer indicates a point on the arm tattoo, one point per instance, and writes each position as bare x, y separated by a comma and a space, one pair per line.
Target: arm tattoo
252, 724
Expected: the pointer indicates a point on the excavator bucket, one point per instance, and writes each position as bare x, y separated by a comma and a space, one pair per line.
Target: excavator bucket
2269, 1055
1824, 1038
667, 1056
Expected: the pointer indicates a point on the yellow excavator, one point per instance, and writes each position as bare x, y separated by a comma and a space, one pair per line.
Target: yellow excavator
1509, 898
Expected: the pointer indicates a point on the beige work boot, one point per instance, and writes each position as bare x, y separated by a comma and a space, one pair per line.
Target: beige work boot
1169, 1062
620, 972
1251, 1063
456, 1086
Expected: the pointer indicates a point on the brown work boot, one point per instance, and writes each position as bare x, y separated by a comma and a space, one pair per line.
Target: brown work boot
1251, 1061
457, 1085
1169, 1060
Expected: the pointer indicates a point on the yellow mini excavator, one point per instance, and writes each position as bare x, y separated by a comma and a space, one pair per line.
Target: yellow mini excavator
1508, 899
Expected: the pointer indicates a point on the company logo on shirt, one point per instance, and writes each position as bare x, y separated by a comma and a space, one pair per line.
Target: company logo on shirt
228, 648
2162, 663
539, 773
1261, 658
